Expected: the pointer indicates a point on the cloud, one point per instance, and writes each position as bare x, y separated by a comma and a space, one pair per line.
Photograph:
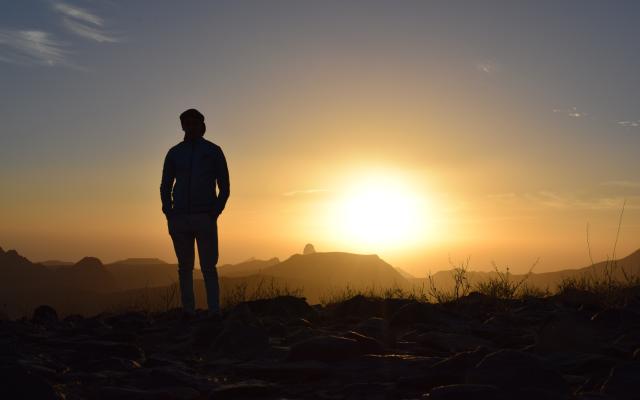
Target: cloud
630, 124
83, 23
31, 47
623, 184
487, 67
78, 13
304, 192
570, 112
554, 200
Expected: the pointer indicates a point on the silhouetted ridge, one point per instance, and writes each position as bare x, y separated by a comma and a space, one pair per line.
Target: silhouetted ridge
337, 269
89, 262
56, 263
246, 268
11, 258
140, 261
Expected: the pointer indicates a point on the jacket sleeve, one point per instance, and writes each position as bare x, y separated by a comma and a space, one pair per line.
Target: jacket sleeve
222, 180
166, 184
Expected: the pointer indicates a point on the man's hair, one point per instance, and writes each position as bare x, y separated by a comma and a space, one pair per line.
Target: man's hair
192, 113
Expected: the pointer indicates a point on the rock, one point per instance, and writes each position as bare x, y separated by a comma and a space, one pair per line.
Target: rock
516, 370
44, 315
418, 313
131, 321
367, 344
454, 369
366, 390
110, 364
123, 393
466, 392
325, 348
239, 341
377, 328
593, 396
286, 307
172, 376
286, 371
242, 313
451, 342
115, 349
625, 344
308, 249
18, 382
582, 364
361, 307
300, 334
251, 389
206, 332
623, 382
567, 332
577, 298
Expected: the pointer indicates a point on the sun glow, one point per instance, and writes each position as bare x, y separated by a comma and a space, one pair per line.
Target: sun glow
383, 213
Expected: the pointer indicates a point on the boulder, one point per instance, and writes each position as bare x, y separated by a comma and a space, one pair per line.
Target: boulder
18, 382
325, 348
624, 381
516, 370
466, 392
44, 315
416, 312
239, 340
567, 332
250, 389
451, 342
285, 307
377, 328
368, 345
123, 393
361, 307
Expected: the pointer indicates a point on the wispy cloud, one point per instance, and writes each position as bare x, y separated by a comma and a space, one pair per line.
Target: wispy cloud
304, 192
630, 124
560, 201
623, 184
32, 47
84, 23
488, 67
572, 112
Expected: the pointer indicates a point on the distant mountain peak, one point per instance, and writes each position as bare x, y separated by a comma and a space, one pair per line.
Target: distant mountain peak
141, 261
308, 249
89, 262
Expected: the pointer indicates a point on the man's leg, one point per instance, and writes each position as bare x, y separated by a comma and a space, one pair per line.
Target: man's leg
182, 236
207, 240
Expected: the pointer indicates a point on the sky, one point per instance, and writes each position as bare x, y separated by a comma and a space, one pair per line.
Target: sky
424, 131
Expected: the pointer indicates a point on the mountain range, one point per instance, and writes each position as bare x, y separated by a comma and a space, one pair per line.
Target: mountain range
89, 286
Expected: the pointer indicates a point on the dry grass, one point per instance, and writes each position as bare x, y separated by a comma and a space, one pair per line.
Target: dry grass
338, 295
265, 289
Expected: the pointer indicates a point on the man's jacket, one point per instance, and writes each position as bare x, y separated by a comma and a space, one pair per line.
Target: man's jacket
196, 166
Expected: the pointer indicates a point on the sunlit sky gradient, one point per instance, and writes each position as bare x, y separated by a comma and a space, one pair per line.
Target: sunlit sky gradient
513, 125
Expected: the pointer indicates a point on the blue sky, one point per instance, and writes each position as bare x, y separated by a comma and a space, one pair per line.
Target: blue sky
537, 99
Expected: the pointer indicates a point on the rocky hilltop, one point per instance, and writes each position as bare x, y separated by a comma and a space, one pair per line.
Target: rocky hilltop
567, 346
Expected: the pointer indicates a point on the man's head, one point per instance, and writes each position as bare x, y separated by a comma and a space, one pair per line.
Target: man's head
192, 122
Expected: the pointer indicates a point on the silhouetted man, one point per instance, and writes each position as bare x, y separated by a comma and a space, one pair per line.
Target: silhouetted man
192, 206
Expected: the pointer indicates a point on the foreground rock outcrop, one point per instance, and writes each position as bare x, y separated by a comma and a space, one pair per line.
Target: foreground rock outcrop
559, 347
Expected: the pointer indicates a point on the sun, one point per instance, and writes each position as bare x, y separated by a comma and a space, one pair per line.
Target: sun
382, 212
